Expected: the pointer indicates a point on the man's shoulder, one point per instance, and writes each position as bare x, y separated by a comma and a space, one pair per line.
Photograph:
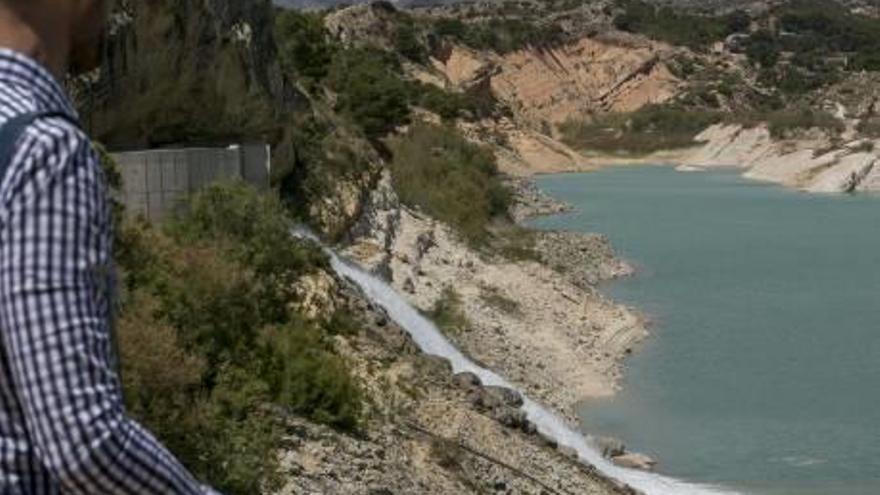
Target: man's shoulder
46, 143
50, 129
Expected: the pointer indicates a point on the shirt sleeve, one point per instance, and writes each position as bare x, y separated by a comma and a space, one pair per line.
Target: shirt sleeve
55, 257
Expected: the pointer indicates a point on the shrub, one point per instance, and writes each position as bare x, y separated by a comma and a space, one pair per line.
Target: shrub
677, 27
788, 123
651, 128
209, 342
447, 313
303, 43
784, 124
406, 39
493, 298
310, 379
256, 230
370, 90
763, 49
451, 105
457, 182
448, 454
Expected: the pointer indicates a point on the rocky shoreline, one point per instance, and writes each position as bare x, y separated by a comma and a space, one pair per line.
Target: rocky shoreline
539, 322
427, 430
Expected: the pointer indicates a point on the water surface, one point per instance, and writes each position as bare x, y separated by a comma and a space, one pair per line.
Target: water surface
763, 370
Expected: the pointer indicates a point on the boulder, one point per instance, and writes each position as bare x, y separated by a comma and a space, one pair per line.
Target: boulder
635, 461
436, 365
568, 452
502, 404
510, 417
466, 380
549, 442
506, 396
529, 428
610, 447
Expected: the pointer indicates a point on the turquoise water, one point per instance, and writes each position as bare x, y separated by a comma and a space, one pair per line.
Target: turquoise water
763, 369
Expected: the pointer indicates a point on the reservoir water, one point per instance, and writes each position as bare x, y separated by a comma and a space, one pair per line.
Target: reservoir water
762, 373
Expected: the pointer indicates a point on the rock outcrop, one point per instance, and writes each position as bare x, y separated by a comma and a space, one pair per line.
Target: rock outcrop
556, 339
550, 85
205, 69
811, 164
427, 431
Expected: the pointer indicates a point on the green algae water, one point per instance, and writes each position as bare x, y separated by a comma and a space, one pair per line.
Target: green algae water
762, 372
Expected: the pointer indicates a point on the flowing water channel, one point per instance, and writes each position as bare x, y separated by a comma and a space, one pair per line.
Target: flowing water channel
430, 340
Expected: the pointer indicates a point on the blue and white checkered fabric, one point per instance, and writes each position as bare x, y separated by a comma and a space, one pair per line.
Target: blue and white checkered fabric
63, 427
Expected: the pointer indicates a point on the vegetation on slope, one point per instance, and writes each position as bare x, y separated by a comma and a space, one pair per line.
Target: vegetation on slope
652, 128
677, 27
664, 127
449, 178
210, 345
359, 96
820, 28
789, 123
500, 35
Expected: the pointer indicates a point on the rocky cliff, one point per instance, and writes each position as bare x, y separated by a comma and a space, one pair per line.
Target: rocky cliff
188, 72
550, 85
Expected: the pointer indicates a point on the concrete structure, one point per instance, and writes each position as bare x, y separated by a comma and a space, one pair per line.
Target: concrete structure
157, 182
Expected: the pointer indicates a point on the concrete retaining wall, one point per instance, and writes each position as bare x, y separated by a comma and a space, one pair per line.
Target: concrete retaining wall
158, 182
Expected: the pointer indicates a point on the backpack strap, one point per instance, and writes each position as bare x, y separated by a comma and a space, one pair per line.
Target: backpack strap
12, 130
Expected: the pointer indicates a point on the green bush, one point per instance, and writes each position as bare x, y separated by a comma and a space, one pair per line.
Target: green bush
407, 40
303, 43
787, 123
815, 30
210, 344
436, 169
447, 313
790, 122
370, 90
451, 105
493, 298
763, 49
677, 27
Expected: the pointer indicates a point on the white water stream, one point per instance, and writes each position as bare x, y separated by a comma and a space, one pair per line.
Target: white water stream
431, 341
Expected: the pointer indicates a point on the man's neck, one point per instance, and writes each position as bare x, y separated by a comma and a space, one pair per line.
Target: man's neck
35, 39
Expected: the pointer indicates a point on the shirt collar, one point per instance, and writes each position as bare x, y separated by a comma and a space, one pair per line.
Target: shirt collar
21, 70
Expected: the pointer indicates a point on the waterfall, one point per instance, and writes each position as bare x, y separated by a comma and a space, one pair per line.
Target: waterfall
431, 341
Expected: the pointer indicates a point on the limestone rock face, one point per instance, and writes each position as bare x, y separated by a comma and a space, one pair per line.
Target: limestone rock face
160, 55
553, 84
556, 84
364, 24
813, 163
316, 295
